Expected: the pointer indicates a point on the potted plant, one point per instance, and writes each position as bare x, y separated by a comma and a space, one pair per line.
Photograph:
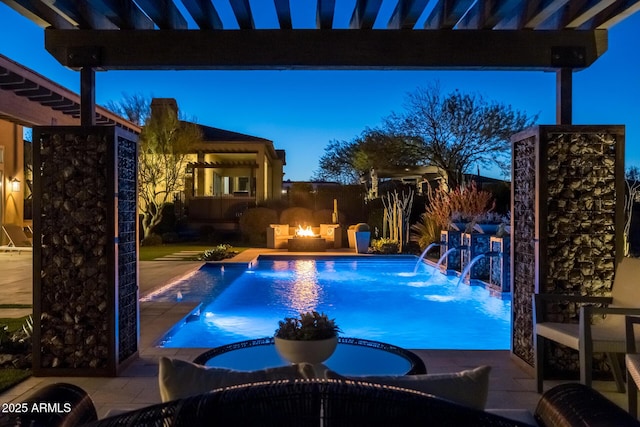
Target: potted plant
310, 338
362, 236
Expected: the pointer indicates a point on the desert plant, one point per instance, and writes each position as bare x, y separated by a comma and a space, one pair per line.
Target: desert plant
308, 326
254, 223
438, 209
397, 211
385, 246
425, 231
217, 253
467, 202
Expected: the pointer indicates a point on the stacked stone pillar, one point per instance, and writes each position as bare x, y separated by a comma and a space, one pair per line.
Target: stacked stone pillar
85, 251
567, 224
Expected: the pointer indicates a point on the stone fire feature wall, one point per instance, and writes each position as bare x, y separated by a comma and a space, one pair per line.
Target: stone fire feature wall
567, 223
85, 250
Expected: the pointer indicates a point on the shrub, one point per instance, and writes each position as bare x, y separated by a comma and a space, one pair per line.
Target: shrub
323, 216
297, 216
385, 246
218, 253
425, 231
170, 237
468, 202
152, 240
254, 223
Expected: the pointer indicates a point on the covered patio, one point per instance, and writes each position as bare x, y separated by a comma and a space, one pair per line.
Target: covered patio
137, 386
557, 36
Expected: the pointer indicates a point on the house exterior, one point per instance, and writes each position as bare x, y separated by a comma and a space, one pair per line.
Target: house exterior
29, 99
228, 172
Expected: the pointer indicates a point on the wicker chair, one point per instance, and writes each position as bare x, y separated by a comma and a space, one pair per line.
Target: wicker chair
300, 403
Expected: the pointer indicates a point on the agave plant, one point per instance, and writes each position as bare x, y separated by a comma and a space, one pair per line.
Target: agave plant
309, 326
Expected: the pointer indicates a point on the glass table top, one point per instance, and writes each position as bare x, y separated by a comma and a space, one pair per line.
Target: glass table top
353, 356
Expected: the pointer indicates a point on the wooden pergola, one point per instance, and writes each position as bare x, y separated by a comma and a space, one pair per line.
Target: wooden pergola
556, 35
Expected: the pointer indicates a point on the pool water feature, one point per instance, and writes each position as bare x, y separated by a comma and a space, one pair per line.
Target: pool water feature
378, 298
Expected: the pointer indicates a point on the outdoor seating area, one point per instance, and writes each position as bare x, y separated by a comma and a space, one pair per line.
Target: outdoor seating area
605, 334
279, 235
328, 403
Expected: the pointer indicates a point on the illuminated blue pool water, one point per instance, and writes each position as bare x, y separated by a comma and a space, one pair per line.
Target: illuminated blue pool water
378, 299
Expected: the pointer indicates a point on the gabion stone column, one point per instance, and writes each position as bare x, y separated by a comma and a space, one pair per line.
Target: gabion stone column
450, 239
85, 251
567, 223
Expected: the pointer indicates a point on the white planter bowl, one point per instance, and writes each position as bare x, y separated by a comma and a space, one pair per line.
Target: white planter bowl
306, 351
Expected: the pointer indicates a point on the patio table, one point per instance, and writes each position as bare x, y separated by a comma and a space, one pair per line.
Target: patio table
353, 356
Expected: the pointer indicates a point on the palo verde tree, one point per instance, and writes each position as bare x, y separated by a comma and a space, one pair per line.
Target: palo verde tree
163, 153
456, 131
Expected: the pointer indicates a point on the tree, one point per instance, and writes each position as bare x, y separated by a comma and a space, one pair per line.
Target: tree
164, 147
347, 161
632, 181
457, 130
136, 108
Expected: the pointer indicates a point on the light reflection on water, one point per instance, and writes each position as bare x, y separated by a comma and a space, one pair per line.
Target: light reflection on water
380, 300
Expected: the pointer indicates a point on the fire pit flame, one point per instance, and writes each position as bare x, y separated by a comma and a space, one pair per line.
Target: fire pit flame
304, 232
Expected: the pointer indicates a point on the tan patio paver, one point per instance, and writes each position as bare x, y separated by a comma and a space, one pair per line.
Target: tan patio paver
511, 386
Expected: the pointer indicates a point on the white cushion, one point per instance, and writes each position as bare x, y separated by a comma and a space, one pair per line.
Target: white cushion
179, 379
469, 388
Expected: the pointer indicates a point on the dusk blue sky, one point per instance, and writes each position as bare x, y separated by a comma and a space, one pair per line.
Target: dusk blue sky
301, 111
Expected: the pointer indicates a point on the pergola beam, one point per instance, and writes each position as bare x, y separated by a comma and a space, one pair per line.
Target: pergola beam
335, 49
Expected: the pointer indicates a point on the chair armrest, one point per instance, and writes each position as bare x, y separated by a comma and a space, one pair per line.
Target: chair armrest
630, 335
540, 299
587, 311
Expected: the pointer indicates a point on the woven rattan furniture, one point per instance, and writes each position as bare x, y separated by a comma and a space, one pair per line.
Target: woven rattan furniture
632, 361
322, 402
353, 356
573, 404
600, 329
309, 403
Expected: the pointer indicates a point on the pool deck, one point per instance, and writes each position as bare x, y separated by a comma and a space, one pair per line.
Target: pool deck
511, 385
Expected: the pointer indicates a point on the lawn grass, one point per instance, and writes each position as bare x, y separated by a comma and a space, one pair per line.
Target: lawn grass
9, 376
149, 253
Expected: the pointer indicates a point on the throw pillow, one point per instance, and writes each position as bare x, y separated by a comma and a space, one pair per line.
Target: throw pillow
469, 387
178, 378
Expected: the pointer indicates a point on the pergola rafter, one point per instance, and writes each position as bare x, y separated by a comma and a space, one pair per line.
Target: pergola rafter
550, 35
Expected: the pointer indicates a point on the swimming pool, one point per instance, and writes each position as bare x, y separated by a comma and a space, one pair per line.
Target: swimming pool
378, 298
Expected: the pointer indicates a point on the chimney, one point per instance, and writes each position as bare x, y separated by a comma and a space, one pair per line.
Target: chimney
163, 104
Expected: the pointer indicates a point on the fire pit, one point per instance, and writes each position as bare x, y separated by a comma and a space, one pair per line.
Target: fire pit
305, 240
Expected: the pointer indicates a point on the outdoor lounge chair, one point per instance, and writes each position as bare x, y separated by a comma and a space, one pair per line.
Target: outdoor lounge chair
18, 241
322, 402
632, 362
604, 333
